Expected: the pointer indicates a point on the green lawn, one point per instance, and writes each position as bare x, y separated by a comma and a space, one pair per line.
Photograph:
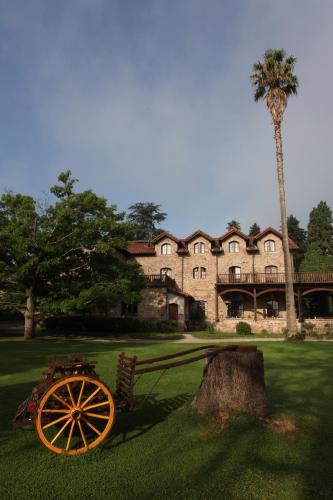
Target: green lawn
164, 450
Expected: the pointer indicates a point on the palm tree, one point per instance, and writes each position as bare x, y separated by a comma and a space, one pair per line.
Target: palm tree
274, 81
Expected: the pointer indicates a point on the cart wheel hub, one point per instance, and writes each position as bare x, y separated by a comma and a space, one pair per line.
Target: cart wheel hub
76, 414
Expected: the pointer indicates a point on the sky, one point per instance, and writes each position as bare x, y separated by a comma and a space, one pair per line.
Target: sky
150, 101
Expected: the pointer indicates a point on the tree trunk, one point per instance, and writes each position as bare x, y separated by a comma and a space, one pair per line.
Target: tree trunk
290, 299
29, 316
233, 381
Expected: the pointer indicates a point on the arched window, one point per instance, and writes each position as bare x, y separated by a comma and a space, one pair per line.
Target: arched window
199, 273
272, 307
199, 247
233, 246
271, 274
166, 249
269, 246
234, 274
166, 271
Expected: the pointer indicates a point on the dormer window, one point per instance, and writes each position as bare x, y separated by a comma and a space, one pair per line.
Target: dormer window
233, 246
166, 249
199, 247
269, 246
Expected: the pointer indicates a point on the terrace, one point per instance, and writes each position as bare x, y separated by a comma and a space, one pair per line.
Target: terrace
275, 278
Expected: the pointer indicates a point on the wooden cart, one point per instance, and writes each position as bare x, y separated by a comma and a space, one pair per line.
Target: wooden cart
73, 411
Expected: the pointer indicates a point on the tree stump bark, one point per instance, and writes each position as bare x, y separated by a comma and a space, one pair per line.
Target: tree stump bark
233, 380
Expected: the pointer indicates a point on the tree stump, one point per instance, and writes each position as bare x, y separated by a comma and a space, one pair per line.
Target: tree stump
233, 380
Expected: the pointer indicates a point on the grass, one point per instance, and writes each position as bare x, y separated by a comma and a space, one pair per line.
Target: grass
228, 335
164, 450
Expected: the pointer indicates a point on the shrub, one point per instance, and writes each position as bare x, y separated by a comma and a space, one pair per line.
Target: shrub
243, 328
308, 327
167, 326
329, 329
211, 328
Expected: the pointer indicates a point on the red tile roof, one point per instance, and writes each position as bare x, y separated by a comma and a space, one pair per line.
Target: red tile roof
139, 247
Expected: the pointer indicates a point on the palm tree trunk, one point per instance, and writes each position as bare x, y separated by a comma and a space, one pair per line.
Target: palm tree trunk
29, 316
290, 300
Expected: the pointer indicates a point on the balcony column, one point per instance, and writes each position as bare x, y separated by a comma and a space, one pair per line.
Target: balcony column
255, 303
299, 300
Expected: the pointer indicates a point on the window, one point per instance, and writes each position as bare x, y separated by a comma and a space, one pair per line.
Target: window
271, 274
128, 309
199, 272
166, 271
166, 249
199, 247
234, 274
199, 310
235, 309
272, 308
270, 270
269, 246
233, 246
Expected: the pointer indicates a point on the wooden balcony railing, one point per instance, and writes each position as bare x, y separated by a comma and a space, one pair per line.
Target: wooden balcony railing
263, 278
160, 280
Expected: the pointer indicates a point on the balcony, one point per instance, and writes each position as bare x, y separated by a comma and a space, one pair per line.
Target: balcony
274, 278
160, 281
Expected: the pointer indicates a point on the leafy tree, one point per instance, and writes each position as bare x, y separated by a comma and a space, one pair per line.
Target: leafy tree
297, 234
233, 224
145, 217
67, 257
314, 260
274, 82
320, 228
318, 254
254, 229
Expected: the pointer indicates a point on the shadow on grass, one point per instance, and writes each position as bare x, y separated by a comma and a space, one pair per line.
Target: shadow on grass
150, 412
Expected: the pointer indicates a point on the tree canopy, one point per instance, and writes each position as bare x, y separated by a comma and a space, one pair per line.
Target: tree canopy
318, 254
66, 257
145, 217
274, 81
254, 229
233, 224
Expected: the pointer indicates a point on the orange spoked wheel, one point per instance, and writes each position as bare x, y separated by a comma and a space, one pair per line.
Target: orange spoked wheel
75, 414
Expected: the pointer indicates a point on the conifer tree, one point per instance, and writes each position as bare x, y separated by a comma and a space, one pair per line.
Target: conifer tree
254, 229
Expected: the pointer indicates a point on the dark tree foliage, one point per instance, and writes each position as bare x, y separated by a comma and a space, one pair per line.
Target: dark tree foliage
295, 232
320, 228
67, 257
298, 235
254, 229
233, 224
144, 218
318, 254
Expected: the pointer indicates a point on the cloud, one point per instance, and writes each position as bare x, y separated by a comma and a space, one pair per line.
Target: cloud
152, 102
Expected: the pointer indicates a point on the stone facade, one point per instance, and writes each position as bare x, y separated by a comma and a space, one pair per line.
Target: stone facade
195, 262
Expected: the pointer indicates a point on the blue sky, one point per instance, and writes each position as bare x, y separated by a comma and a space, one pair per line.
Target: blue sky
150, 100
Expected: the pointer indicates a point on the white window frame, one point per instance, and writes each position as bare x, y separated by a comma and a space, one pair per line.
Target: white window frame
166, 249
269, 246
234, 247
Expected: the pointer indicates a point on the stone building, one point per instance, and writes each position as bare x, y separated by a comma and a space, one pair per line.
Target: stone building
227, 278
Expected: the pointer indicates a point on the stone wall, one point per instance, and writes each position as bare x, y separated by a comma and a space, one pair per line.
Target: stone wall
154, 304
204, 289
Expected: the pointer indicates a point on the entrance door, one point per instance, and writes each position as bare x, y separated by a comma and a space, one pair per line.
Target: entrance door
173, 312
